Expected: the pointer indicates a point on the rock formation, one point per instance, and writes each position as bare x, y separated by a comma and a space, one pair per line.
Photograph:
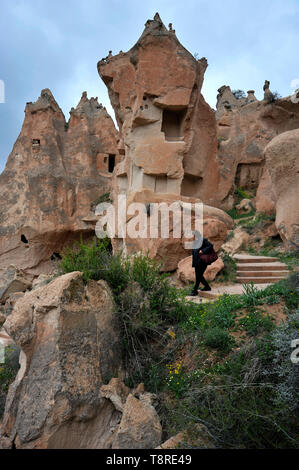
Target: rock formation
70, 347
168, 133
280, 185
54, 173
69, 344
168, 130
244, 128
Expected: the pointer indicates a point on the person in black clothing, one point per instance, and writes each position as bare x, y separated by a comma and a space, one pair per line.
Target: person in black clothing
200, 246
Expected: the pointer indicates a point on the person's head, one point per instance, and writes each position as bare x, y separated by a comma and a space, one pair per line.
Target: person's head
197, 240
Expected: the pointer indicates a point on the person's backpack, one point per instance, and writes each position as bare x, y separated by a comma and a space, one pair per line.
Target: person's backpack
209, 258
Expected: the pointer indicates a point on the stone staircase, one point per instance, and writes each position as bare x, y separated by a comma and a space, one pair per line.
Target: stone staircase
259, 269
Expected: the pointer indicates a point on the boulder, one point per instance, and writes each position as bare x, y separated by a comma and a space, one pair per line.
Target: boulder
200, 438
186, 273
13, 280
245, 206
282, 163
235, 243
70, 345
140, 427
116, 392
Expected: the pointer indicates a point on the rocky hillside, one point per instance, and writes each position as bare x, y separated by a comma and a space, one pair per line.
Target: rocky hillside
102, 346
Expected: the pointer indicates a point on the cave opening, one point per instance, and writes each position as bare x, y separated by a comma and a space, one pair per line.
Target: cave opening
172, 124
24, 239
56, 256
111, 163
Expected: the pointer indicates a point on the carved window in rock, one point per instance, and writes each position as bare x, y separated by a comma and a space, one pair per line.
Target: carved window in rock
111, 163
172, 124
35, 144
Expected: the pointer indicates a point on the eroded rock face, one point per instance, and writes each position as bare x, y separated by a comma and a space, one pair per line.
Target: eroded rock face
168, 134
168, 130
245, 127
282, 169
54, 173
140, 427
13, 280
168, 251
69, 342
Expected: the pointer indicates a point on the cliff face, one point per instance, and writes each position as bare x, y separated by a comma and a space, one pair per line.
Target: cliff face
168, 130
244, 127
53, 175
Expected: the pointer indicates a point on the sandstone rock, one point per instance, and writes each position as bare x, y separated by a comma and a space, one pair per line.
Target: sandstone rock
13, 280
234, 244
69, 342
183, 440
116, 392
186, 273
282, 163
265, 198
41, 280
245, 206
139, 428
2, 319
271, 231
168, 130
169, 251
244, 129
55, 171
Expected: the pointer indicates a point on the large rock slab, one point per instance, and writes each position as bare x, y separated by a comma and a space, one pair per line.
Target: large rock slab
69, 341
13, 280
140, 427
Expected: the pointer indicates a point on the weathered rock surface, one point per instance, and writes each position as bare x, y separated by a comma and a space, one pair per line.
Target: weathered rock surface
170, 250
140, 427
54, 173
167, 128
13, 280
282, 170
69, 342
186, 273
244, 127
234, 244
116, 392
184, 439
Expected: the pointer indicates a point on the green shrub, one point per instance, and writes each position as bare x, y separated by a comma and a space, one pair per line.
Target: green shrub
8, 372
252, 399
242, 194
220, 339
85, 258
255, 323
229, 272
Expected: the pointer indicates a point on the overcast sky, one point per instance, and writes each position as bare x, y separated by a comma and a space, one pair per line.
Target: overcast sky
56, 44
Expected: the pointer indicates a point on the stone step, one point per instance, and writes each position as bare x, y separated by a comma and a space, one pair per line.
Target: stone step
259, 280
208, 294
262, 273
261, 266
254, 259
